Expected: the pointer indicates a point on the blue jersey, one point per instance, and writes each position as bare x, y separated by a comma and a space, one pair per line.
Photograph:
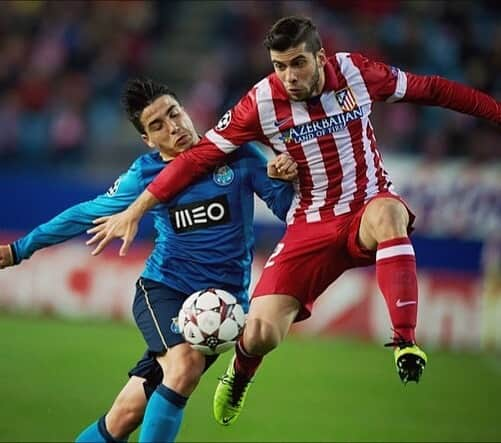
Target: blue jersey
204, 236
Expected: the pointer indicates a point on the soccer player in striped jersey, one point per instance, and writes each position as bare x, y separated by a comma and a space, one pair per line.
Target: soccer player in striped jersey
347, 212
204, 239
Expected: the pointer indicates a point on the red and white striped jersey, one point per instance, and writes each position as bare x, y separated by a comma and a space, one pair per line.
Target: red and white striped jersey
330, 136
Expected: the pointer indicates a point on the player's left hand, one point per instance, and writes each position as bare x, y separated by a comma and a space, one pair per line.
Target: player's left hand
123, 225
6, 257
282, 167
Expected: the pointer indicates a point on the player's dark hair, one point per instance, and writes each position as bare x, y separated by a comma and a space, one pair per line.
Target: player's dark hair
139, 93
289, 32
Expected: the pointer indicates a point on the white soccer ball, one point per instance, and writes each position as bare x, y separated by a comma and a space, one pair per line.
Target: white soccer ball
211, 321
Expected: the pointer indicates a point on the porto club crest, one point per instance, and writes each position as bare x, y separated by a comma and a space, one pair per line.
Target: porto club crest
223, 175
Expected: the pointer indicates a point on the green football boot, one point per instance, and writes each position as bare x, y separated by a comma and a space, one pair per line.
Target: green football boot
230, 395
410, 360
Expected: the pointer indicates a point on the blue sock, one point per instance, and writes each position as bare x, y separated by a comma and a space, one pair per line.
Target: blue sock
97, 433
163, 416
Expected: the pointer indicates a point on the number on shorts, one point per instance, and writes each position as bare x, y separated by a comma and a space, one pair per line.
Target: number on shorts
276, 251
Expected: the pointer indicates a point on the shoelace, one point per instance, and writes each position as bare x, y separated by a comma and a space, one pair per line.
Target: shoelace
238, 388
238, 384
399, 341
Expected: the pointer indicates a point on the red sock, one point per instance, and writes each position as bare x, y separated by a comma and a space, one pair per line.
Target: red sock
246, 363
396, 276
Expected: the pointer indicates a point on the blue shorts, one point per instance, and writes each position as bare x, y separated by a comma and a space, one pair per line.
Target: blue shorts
155, 310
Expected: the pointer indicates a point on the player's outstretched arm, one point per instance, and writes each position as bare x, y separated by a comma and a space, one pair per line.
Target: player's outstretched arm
123, 225
390, 84
6, 256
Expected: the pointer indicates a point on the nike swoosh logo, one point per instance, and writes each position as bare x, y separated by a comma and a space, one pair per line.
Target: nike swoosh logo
401, 303
226, 420
281, 122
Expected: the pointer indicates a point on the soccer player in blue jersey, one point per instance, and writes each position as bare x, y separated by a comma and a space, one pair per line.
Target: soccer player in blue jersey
204, 239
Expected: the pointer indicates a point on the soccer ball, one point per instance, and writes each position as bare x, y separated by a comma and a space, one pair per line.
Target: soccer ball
211, 321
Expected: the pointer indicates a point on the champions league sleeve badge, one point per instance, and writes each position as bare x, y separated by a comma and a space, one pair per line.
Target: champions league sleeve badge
224, 122
223, 175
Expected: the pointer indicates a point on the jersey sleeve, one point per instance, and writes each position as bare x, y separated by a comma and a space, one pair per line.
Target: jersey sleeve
437, 91
390, 84
77, 219
237, 126
277, 194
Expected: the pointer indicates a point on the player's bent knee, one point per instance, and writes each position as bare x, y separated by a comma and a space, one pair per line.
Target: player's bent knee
388, 218
261, 336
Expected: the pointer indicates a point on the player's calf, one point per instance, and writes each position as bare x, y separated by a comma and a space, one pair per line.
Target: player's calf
261, 336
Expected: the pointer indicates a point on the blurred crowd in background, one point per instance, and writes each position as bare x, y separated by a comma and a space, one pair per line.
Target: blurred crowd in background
64, 64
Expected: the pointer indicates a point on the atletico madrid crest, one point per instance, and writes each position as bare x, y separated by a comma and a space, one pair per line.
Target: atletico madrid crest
346, 99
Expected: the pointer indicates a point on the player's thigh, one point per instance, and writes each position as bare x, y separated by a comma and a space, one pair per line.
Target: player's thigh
303, 264
383, 218
156, 309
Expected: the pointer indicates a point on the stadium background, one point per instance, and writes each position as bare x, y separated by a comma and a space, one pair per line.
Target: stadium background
65, 325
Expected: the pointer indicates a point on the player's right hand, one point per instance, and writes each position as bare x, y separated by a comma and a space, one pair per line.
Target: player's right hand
283, 167
6, 256
123, 225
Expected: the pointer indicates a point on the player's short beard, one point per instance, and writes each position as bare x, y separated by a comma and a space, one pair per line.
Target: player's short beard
314, 87
315, 82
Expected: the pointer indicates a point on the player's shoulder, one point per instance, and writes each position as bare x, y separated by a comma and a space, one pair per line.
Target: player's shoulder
348, 60
147, 161
148, 158
342, 57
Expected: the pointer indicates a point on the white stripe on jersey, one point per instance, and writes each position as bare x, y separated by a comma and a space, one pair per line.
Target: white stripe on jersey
225, 145
386, 176
370, 160
267, 115
353, 78
400, 88
267, 119
349, 186
296, 200
346, 157
313, 155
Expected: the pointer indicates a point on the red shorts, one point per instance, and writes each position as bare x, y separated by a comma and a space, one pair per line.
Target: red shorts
310, 257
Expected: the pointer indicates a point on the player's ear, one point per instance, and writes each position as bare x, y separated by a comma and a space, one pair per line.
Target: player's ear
147, 140
321, 57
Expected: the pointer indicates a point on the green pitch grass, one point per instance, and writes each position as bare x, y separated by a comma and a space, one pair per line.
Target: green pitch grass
58, 376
